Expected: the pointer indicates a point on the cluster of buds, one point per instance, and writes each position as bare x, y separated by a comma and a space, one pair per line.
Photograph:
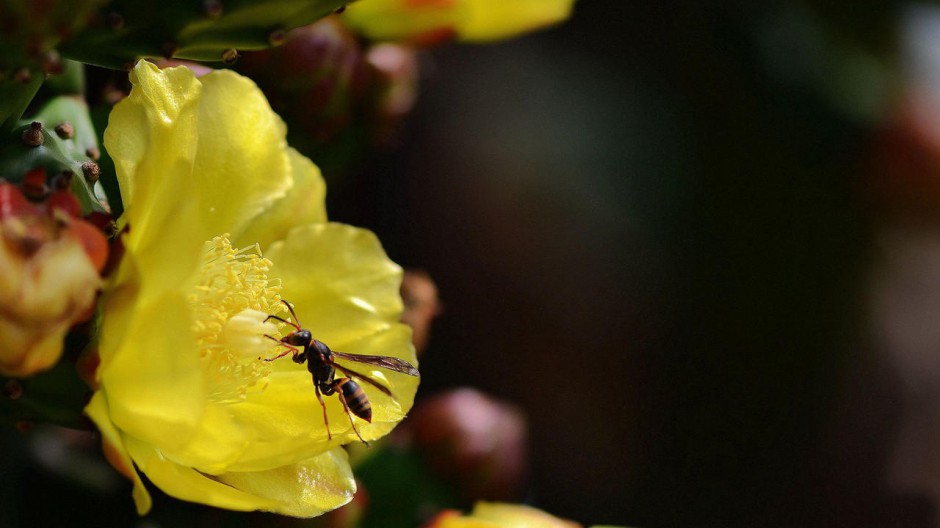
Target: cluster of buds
337, 94
50, 264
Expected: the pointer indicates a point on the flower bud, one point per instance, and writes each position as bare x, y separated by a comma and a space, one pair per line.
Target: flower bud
396, 88
477, 443
419, 293
316, 79
47, 282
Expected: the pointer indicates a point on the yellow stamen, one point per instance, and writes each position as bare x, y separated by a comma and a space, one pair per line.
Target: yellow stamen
230, 302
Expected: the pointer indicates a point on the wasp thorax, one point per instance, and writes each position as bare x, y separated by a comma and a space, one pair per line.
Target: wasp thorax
230, 304
322, 348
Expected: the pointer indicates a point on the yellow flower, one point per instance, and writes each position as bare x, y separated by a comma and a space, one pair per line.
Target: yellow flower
209, 185
429, 21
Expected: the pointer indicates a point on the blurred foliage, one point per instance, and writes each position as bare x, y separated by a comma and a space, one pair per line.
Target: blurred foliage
56, 396
401, 491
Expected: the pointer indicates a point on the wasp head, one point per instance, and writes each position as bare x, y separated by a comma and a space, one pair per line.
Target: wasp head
300, 338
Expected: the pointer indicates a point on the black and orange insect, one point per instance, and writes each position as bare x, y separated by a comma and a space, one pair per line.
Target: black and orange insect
321, 362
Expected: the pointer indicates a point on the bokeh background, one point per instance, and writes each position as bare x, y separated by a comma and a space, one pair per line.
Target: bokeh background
697, 242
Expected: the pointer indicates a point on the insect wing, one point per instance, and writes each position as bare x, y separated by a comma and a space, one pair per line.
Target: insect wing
386, 362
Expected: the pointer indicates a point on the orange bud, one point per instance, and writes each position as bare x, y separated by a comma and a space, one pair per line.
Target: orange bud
48, 282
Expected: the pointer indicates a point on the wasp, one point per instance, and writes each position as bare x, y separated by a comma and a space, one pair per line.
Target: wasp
321, 363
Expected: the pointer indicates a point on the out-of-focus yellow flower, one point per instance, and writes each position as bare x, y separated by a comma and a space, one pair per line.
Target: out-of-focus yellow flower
431, 21
500, 515
49, 266
208, 184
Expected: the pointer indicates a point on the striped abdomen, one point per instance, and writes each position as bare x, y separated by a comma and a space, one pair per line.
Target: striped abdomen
356, 398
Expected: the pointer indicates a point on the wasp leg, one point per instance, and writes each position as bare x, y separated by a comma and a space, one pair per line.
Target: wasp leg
326, 421
283, 344
342, 399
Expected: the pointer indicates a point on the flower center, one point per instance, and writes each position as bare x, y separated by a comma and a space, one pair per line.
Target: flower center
230, 302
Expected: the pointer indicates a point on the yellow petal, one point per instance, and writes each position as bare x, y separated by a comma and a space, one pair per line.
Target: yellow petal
217, 444
114, 450
512, 515
153, 379
304, 203
486, 20
152, 136
402, 20
284, 424
195, 159
340, 281
242, 165
153, 131
345, 290
469, 20
465, 522
304, 489
188, 484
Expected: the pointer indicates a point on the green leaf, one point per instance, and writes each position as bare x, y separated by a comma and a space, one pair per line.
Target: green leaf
187, 29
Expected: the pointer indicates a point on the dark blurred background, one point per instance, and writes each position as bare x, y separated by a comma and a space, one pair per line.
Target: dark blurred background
662, 229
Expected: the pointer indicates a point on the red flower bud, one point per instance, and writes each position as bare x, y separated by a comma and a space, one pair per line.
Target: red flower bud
474, 441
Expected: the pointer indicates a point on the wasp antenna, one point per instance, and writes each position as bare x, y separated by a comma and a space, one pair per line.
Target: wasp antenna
290, 308
285, 321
